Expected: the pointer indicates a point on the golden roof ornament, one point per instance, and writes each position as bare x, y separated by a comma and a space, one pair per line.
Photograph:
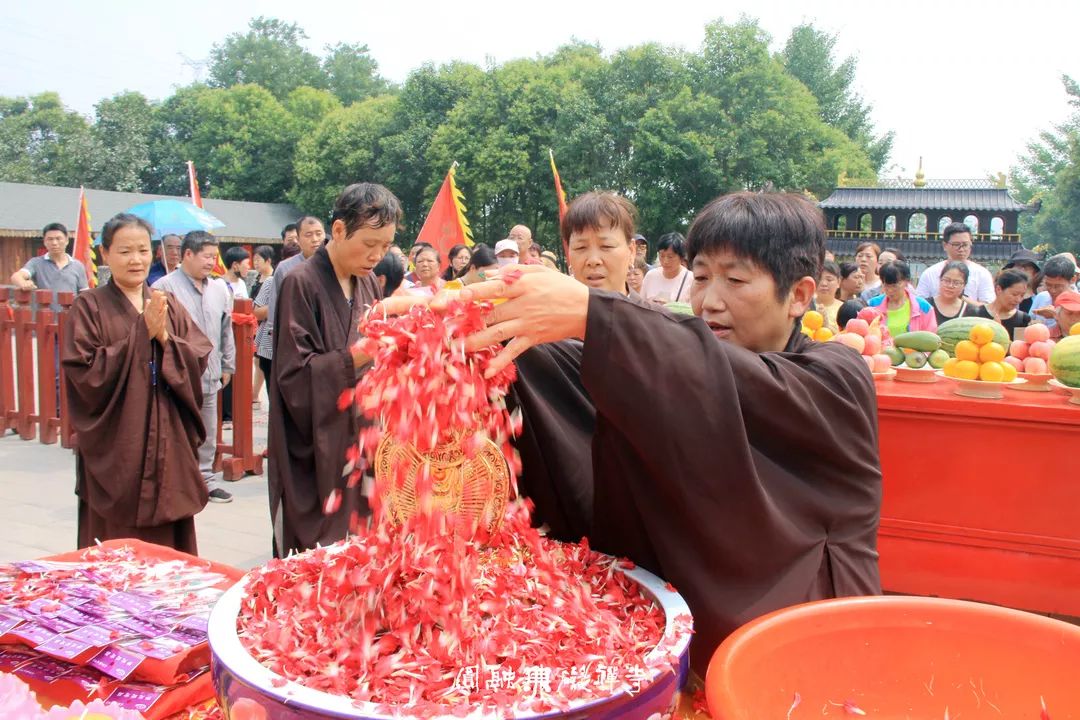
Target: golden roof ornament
920, 176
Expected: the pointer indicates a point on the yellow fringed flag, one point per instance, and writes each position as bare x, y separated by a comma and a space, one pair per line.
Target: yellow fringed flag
559, 194
446, 225
84, 242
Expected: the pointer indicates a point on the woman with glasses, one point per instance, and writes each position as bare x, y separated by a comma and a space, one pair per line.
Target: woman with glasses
899, 308
950, 303
866, 257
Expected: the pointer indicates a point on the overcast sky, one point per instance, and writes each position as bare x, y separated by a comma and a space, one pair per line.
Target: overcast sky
964, 84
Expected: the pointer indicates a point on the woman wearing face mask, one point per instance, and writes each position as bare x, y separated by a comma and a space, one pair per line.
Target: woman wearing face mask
507, 253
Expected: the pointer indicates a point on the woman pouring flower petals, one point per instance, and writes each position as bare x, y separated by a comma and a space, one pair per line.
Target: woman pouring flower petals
752, 481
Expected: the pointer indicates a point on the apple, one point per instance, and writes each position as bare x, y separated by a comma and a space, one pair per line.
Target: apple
858, 326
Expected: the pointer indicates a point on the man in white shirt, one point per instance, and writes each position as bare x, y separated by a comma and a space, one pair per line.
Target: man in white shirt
1059, 274
957, 241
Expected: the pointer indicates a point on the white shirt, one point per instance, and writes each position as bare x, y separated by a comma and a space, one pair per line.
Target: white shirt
239, 288
656, 286
980, 284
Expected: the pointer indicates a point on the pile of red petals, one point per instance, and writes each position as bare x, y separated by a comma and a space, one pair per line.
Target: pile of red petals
424, 390
398, 616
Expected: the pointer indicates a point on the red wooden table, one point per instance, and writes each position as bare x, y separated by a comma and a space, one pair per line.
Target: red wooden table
981, 497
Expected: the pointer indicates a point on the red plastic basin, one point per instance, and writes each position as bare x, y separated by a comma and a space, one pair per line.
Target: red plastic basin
897, 657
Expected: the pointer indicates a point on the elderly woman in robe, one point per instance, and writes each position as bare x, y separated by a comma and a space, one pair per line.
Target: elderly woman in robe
133, 362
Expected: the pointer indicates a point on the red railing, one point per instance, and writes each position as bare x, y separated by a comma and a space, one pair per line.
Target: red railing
29, 344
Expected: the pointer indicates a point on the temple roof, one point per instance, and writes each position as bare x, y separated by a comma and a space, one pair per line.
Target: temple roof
972, 199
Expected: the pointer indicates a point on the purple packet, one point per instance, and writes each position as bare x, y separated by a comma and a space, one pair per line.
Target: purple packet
32, 633
85, 677
187, 637
65, 646
141, 627
199, 623
47, 607
84, 591
43, 669
134, 604
78, 616
12, 657
92, 634
117, 662
8, 623
57, 624
157, 649
135, 697
29, 566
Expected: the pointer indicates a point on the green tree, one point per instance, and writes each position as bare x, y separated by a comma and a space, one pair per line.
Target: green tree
122, 138
1048, 175
243, 144
309, 106
352, 73
172, 131
345, 148
269, 54
43, 142
809, 55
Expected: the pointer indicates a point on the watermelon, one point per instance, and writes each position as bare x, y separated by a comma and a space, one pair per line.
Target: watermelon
680, 308
957, 329
1065, 361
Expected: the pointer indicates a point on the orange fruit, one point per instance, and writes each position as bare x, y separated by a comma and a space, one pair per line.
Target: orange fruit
967, 350
813, 319
991, 352
949, 369
991, 372
1010, 372
966, 370
1075, 329
823, 334
981, 334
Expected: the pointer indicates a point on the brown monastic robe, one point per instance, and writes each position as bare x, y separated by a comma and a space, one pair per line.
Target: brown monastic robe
135, 408
749, 481
314, 330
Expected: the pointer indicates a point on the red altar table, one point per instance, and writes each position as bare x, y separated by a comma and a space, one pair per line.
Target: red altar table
981, 497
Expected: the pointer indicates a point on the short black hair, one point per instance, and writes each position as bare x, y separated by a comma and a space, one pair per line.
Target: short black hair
848, 310
674, 242
195, 241
1007, 278
954, 228
366, 204
482, 257
1059, 267
958, 266
782, 233
391, 268
122, 220
894, 272
265, 252
234, 255
290, 227
53, 226
896, 253
846, 269
830, 267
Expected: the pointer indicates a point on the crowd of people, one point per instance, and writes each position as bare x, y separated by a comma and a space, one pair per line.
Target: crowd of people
154, 345
1025, 290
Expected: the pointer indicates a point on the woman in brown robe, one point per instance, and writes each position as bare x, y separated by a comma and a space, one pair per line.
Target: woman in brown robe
318, 312
750, 477
133, 360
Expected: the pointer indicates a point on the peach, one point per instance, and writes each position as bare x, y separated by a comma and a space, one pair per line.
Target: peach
873, 345
1036, 332
1015, 362
852, 340
859, 326
1035, 366
1040, 349
882, 363
869, 362
1018, 349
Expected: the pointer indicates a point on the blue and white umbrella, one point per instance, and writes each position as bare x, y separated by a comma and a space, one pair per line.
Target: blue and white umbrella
174, 217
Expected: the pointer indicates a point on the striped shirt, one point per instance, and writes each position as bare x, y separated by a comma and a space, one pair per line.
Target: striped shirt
210, 305
284, 268
264, 339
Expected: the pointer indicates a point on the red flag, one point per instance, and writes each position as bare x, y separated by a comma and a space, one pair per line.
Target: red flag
84, 242
445, 225
196, 199
560, 195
